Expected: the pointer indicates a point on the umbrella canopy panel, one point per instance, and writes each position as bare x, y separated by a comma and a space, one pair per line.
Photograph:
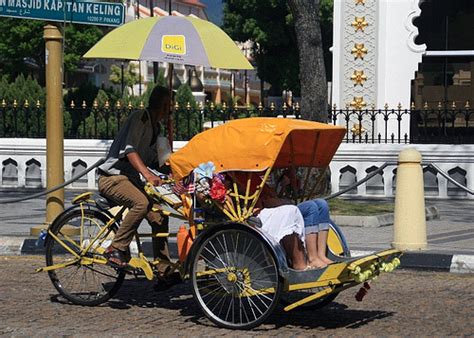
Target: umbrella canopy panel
181, 40
254, 144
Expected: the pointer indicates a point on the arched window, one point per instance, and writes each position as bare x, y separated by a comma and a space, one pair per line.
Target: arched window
375, 185
78, 167
347, 178
430, 178
33, 174
459, 175
10, 172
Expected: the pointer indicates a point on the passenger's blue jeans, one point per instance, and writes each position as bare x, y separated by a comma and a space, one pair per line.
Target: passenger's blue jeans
315, 214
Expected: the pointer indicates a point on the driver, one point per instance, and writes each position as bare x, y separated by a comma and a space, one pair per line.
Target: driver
134, 149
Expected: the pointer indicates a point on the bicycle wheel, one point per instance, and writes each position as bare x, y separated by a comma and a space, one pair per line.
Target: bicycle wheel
235, 279
82, 281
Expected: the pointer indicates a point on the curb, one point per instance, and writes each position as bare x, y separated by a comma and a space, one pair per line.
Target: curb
428, 261
376, 221
431, 261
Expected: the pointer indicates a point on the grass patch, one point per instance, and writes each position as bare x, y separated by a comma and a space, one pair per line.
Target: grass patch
345, 207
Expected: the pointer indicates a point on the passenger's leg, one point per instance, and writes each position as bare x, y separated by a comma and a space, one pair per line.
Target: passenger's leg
310, 213
324, 222
294, 248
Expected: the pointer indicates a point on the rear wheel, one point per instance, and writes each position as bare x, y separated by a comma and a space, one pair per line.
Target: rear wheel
82, 281
235, 279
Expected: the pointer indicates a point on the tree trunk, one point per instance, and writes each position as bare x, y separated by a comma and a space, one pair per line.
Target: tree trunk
314, 100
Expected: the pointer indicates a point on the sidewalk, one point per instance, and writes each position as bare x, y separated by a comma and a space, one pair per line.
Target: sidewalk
450, 238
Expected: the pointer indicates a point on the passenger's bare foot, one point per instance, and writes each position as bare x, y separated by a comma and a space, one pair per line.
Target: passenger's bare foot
299, 267
326, 260
317, 263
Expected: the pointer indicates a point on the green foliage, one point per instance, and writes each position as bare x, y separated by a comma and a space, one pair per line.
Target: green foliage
22, 40
78, 39
130, 76
270, 26
21, 115
187, 119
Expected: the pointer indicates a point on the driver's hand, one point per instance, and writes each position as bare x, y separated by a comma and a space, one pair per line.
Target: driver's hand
155, 180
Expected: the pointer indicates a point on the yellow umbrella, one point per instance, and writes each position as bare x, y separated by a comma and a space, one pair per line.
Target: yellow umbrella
181, 40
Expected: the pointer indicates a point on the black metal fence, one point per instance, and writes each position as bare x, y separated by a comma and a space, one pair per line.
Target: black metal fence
386, 125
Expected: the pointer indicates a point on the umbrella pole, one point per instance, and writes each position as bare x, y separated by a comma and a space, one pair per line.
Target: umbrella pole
170, 117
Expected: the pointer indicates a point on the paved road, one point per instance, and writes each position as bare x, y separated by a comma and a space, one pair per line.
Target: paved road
402, 303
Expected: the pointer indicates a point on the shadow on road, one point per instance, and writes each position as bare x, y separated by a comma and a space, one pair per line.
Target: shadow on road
140, 293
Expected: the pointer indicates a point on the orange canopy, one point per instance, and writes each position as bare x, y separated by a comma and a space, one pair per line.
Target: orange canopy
254, 144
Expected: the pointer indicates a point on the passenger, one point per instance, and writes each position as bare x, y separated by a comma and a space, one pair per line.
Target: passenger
316, 221
283, 222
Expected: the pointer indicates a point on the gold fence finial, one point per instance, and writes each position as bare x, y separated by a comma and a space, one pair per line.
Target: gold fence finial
272, 106
453, 106
129, 106
188, 106
399, 106
260, 106
142, 105
84, 105
15, 104
95, 104
440, 106
467, 106
26, 104
72, 105
425, 106
385, 106
224, 106
412, 107
118, 105
107, 105
212, 106
285, 107
4, 104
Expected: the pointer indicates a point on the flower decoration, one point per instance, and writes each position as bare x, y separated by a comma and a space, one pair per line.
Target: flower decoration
210, 184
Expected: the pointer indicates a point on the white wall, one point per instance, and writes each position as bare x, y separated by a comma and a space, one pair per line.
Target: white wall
358, 156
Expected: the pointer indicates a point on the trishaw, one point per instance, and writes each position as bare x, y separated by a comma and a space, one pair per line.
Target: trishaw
238, 273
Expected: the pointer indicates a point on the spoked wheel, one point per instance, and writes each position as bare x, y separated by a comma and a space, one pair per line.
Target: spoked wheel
235, 279
84, 280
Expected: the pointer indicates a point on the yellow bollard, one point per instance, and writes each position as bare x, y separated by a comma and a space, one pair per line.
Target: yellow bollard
409, 229
54, 124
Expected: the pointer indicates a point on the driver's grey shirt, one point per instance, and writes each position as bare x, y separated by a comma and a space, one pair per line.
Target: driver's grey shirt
137, 135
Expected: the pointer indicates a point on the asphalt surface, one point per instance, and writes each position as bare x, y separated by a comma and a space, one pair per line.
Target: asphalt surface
449, 236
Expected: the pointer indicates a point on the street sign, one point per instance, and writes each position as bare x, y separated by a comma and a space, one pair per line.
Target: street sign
91, 13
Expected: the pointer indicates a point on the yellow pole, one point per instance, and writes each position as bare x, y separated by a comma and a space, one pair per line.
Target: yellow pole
54, 124
409, 229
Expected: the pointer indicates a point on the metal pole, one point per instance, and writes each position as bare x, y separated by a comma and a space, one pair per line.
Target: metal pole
155, 64
54, 124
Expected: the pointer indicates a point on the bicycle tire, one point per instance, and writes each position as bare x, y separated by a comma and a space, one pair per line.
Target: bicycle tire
92, 219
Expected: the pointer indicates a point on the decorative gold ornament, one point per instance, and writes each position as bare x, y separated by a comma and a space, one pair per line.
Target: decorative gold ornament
359, 51
358, 77
360, 2
359, 23
358, 102
357, 129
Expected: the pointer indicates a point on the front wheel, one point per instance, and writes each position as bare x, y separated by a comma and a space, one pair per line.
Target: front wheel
235, 279
85, 280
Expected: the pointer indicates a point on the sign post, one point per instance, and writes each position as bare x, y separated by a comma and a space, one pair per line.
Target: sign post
54, 124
